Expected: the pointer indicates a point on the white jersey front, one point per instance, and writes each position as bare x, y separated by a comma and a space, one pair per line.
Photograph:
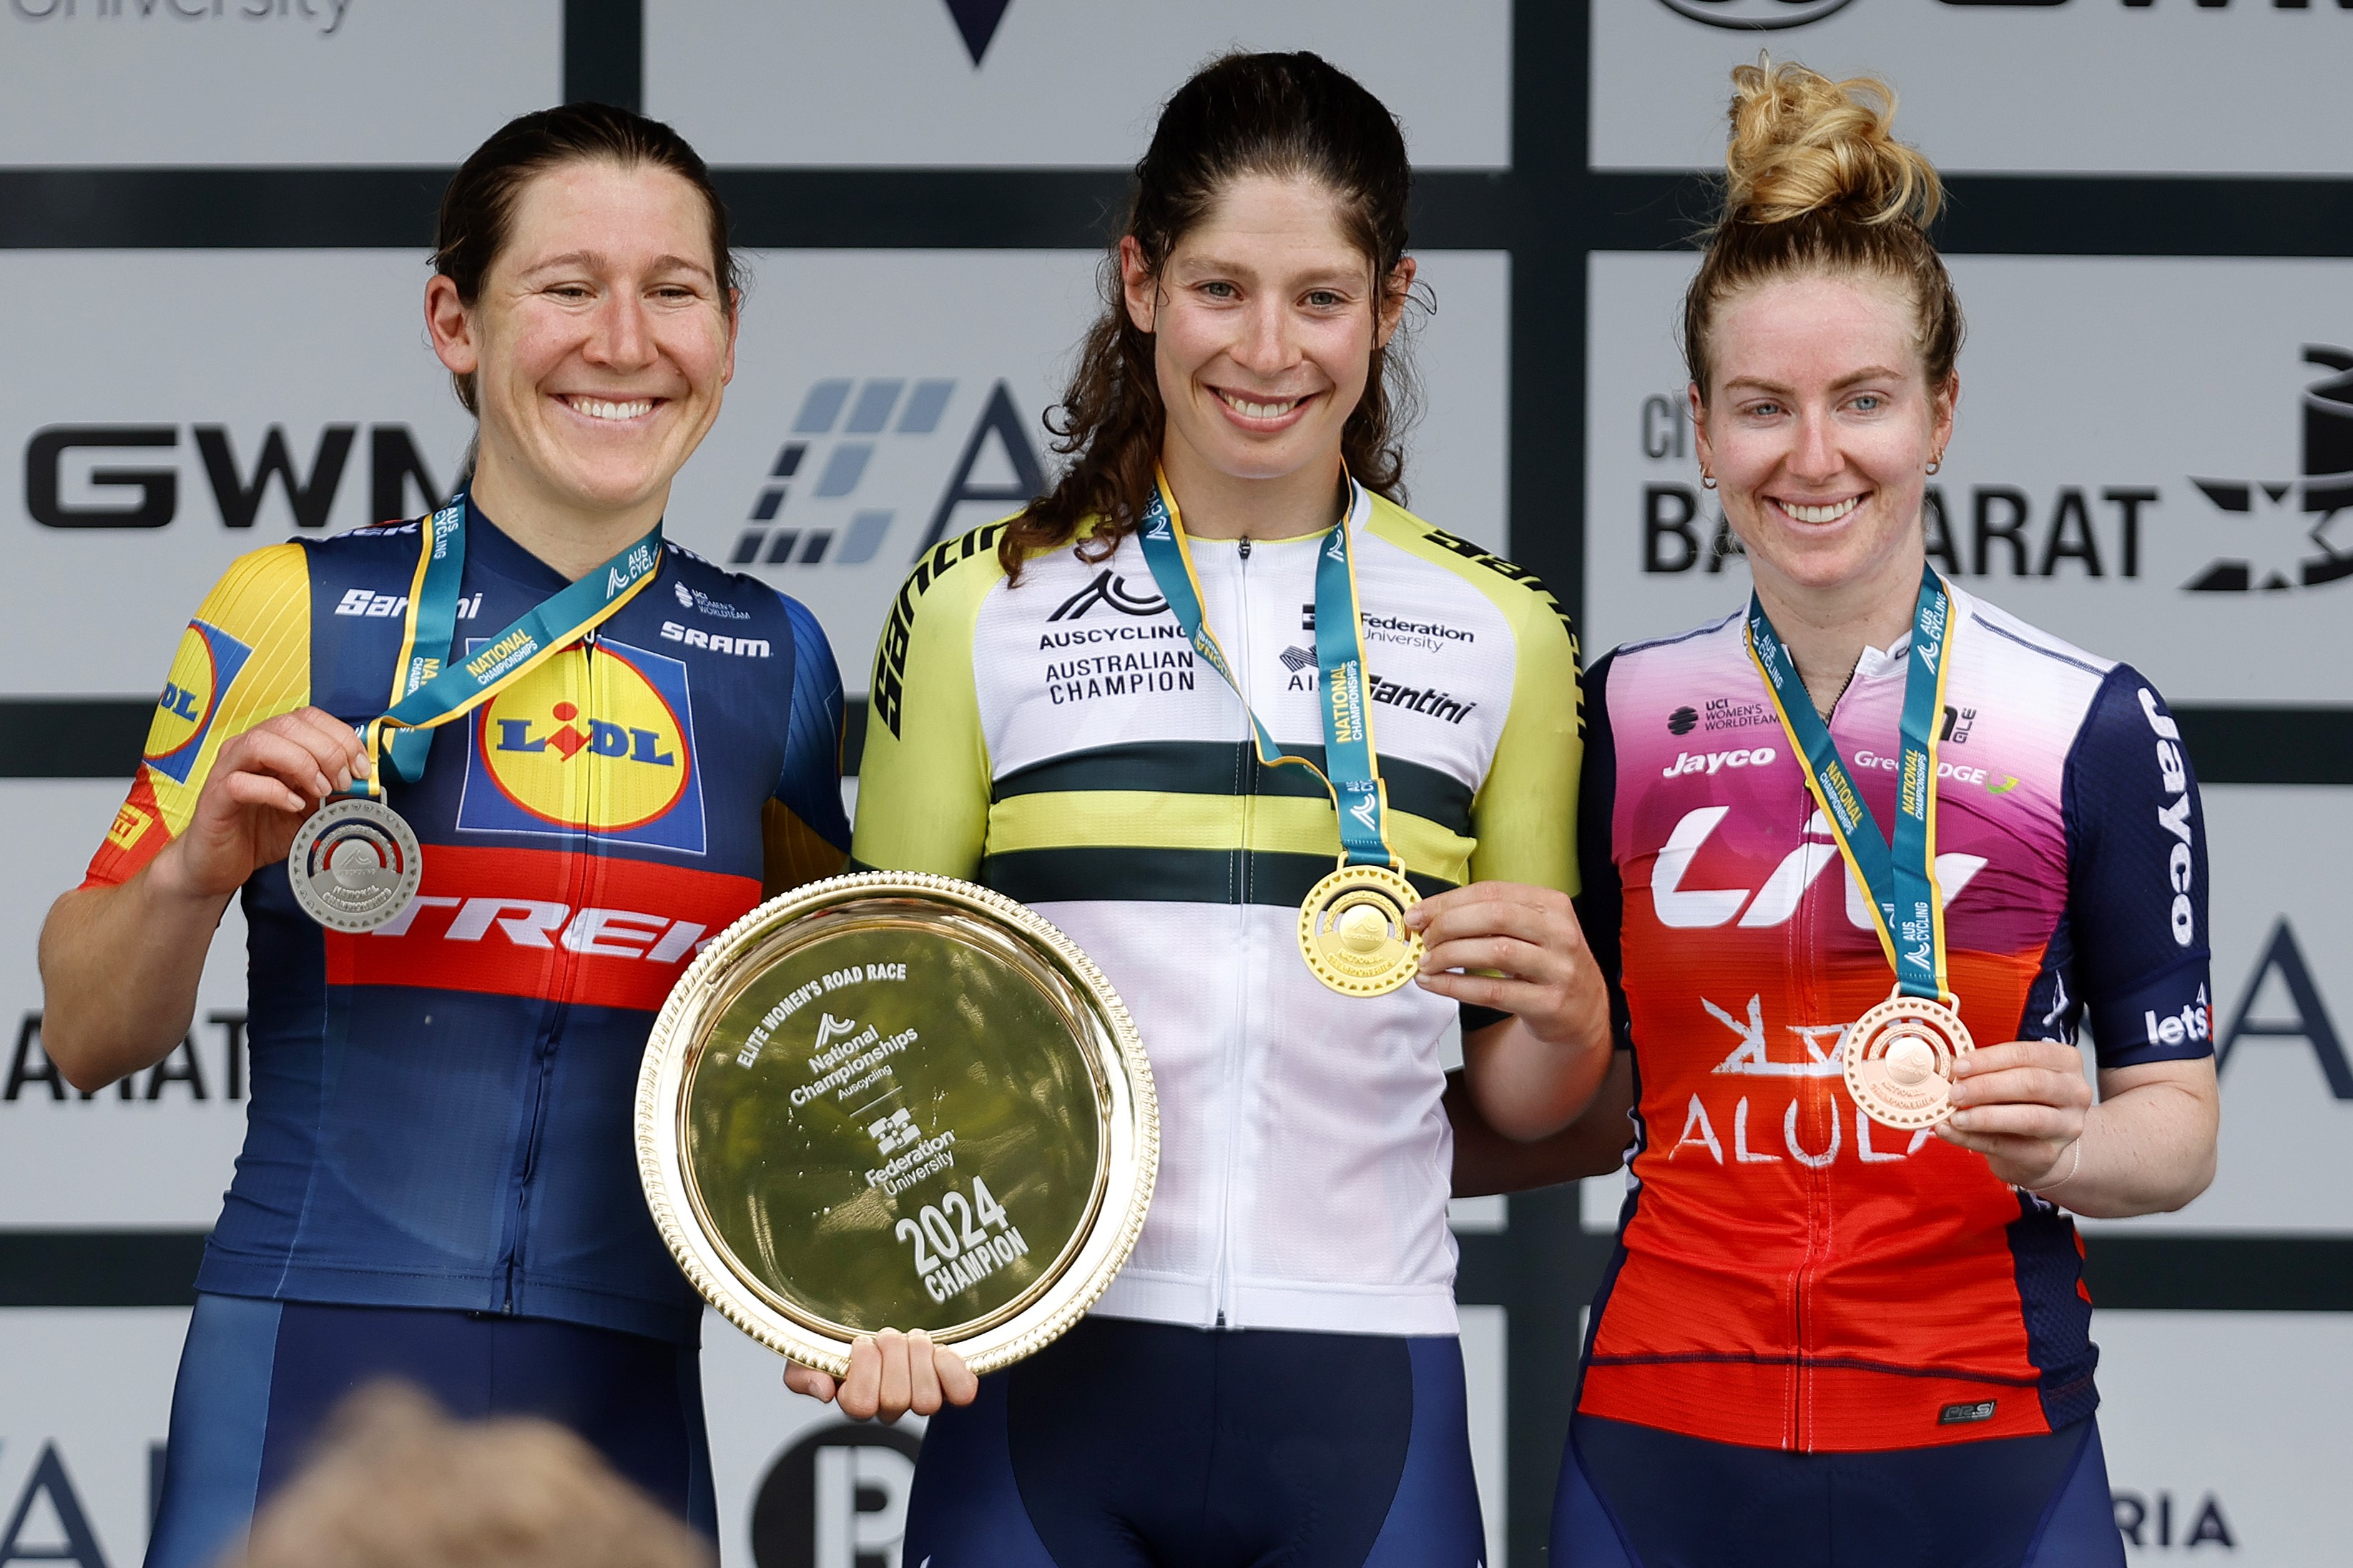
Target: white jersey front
1058, 740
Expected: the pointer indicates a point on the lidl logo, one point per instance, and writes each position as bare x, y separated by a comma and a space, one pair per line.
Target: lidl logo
202, 672
600, 738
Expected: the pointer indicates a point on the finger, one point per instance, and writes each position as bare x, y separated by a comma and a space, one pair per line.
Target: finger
1451, 902
809, 1380
958, 1383
281, 756
1504, 996
2044, 1121
895, 1379
328, 754
335, 743
2049, 1054
923, 1375
261, 790
1521, 960
2022, 1086
2007, 1155
1539, 926
861, 1392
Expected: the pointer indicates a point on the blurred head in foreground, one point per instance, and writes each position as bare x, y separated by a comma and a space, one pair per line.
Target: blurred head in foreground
397, 1482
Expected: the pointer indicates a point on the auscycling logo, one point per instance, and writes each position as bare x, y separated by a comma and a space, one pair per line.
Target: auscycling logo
835, 492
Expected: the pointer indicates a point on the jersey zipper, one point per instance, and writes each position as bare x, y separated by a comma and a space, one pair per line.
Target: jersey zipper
579, 864
1223, 1280
1806, 945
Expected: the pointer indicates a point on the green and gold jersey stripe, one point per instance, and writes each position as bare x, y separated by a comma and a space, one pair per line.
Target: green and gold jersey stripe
1231, 768
1132, 874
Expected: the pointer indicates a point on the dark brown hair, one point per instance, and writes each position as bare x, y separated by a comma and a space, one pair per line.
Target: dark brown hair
1815, 182
477, 209
1290, 116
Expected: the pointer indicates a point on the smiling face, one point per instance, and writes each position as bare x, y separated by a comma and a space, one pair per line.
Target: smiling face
1820, 430
599, 346
1264, 318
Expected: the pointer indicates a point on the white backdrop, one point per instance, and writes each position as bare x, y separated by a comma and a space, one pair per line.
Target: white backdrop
2146, 414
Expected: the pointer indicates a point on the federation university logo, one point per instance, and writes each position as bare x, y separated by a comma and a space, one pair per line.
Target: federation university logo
602, 741
202, 672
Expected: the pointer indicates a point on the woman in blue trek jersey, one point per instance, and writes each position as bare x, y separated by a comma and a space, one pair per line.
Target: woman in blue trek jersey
438, 1181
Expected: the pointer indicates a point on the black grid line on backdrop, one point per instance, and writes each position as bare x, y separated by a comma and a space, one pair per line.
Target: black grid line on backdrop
1550, 212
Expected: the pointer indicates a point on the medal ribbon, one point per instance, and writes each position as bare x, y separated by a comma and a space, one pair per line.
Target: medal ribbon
1908, 906
430, 690
1351, 772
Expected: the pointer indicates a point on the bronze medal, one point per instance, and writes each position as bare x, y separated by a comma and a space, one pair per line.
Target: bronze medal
1899, 1062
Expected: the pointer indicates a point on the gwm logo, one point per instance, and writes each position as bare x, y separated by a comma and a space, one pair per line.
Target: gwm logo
850, 433
207, 661
2286, 514
599, 737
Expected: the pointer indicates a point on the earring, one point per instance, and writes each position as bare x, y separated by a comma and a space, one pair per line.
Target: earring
1706, 480
1937, 462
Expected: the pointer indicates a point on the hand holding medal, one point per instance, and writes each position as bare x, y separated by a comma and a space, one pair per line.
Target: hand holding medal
1902, 1055
356, 865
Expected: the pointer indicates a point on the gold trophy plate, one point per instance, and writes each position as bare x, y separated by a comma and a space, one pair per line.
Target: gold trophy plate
896, 1100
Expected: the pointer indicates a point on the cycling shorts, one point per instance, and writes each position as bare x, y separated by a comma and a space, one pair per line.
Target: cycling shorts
1639, 1497
259, 1378
1128, 1444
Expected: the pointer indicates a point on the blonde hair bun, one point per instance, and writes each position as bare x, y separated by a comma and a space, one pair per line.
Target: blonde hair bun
1802, 145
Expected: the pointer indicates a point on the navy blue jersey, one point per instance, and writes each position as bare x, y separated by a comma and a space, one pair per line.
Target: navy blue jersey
442, 1108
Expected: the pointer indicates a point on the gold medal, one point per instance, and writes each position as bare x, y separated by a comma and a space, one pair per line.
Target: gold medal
1352, 931
1900, 1057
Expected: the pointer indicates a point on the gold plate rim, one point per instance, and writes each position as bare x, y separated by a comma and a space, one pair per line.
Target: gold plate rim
1132, 1131
1946, 1020
1331, 887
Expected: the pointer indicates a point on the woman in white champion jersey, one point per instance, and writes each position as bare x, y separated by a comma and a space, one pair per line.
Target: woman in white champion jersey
1275, 1376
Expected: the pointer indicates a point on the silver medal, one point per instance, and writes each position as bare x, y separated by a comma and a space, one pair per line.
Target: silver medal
355, 864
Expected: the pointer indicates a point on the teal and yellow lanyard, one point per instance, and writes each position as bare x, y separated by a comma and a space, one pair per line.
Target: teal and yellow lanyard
430, 690
1350, 772
1908, 906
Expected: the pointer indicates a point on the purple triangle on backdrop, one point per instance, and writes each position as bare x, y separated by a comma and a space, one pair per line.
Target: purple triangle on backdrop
978, 20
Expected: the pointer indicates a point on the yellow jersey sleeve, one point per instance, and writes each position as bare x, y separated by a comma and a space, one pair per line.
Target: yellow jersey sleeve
1524, 817
924, 781
244, 657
